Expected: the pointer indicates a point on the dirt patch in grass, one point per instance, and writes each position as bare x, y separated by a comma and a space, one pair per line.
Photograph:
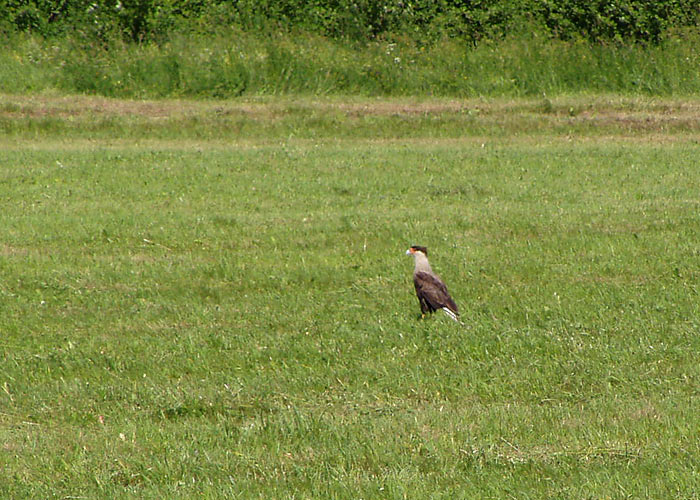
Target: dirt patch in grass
43, 106
613, 108
9, 250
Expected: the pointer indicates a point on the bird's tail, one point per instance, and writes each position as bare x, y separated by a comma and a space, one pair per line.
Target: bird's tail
452, 315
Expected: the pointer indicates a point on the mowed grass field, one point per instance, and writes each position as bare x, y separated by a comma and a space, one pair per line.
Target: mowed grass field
211, 299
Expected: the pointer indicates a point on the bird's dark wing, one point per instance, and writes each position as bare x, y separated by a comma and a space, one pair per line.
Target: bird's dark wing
432, 291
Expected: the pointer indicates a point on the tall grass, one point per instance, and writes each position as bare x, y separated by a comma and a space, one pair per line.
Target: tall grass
241, 63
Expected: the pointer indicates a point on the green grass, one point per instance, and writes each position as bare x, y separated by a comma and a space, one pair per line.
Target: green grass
238, 63
195, 309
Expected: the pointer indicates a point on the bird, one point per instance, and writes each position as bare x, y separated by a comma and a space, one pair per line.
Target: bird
431, 291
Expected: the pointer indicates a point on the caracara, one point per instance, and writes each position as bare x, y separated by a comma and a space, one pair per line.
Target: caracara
432, 292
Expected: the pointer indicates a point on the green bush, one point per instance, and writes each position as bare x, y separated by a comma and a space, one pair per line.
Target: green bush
358, 20
641, 20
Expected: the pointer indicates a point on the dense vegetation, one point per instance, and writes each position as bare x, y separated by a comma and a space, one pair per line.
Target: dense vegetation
171, 48
634, 20
239, 63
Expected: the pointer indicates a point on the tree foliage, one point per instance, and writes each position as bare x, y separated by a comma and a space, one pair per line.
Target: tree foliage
357, 20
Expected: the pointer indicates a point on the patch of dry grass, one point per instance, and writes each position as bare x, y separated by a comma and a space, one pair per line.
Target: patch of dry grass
265, 107
80, 122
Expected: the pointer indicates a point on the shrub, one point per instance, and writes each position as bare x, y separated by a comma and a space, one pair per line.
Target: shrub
357, 20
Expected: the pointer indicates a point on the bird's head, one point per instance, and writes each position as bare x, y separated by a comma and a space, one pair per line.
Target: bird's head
417, 249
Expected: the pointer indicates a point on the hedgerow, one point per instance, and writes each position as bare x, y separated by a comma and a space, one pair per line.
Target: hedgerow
424, 21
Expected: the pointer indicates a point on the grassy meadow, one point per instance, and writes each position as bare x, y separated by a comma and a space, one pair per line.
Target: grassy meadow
210, 299
236, 63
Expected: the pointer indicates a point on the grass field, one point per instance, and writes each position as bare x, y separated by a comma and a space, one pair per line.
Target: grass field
211, 299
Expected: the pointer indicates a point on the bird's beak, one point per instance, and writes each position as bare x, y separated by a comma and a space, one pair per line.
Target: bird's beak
408, 252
